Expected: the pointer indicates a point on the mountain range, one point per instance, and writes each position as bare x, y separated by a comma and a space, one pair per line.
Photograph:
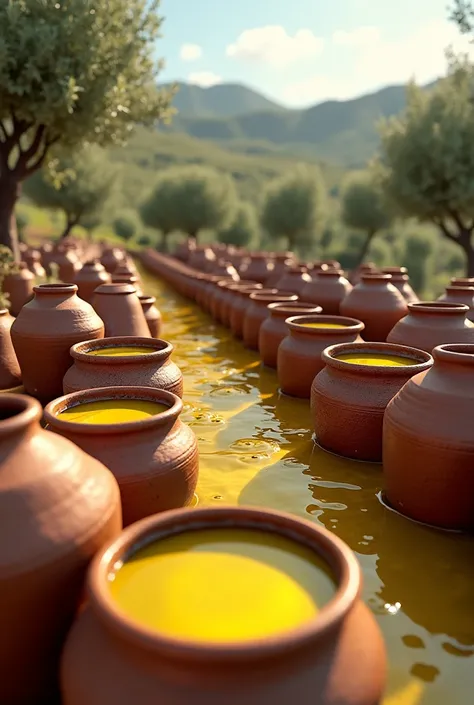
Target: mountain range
243, 120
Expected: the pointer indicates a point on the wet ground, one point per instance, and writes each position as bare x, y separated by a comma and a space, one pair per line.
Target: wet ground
256, 449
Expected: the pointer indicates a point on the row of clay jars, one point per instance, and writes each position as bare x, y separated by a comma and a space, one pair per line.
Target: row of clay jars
428, 443
154, 460
377, 303
58, 507
299, 354
348, 401
152, 369
229, 298
257, 311
432, 323
337, 658
274, 329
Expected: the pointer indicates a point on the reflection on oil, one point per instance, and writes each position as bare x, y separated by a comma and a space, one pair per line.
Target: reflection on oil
256, 448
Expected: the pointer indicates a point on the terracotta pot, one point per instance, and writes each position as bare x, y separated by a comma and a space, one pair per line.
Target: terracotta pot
274, 329
119, 307
258, 268
111, 258
152, 315
202, 259
153, 369
43, 333
89, 277
10, 375
19, 287
257, 312
377, 303
125, 268
428, 444
33, 260
228, 297
225, 270
68, 265
311, 665
155, 460
460, 295
184, 249
239, 306
58, 508
462, 281
281, 266
400, 281
432, 323
294, 280
348, 401
128, 279
364, 268
299, 355
327, 288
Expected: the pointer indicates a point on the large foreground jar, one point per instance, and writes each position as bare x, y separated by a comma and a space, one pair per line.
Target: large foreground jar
377, 303
153, 457
43, 333
58, 506
428, 442
335, 657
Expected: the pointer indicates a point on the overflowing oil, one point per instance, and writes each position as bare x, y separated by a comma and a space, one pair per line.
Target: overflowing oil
256, 448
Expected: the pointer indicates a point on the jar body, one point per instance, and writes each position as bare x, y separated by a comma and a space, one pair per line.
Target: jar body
10, 375
152, 315
429, 325
19, 287
119, 307
327, 290
274, 330
88, 279
378, 304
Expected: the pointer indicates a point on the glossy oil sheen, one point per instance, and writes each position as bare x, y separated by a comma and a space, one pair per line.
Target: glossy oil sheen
322, 325
256, 448
222, 585
377, 360
123, 351
112, 411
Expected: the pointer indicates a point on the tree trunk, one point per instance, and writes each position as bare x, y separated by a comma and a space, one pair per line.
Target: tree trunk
469, 250
9, 194
365, 248
70, 223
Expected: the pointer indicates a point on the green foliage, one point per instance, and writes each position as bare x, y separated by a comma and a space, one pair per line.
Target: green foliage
87, 183
418, 259
426, 162
190, 199
244, 228
294, 206
77, 70
7, 266
363, 206
126, 225
22, 220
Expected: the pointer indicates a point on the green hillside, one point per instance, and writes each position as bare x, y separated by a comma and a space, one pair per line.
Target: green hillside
342, 132
222, 100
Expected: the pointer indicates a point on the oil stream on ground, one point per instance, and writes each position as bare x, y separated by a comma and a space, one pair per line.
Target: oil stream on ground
256, 448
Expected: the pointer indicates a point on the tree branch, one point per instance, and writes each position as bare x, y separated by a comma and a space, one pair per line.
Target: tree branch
457, 218
41, 157
28, 154
440, 223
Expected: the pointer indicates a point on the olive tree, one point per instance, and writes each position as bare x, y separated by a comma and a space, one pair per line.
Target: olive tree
294, 206
87, 181
426, 161
244, 228
190, 199
126, 224
364, 208
71, 71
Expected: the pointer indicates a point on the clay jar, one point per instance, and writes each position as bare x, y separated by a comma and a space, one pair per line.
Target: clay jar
155, 460
68, 265
43, 333
119, 307
274, 329
428, 444
294, 280
327, 288
152, 369
460, 295
432, 323
239, 306
364, 268
258, 268
257, 312
228, 296
58, 507
19, 287
111, 258
462, 281
10, 375
400, 281
310, 665
202, 259
377, 303
128, 279
89, 277
299, 355
348, 400
152, 315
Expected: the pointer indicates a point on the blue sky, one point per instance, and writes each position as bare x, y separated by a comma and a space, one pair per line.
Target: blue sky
301, 52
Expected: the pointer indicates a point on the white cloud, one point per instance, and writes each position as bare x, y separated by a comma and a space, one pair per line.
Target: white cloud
205, 79
190, 52
273, 45
375, 62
